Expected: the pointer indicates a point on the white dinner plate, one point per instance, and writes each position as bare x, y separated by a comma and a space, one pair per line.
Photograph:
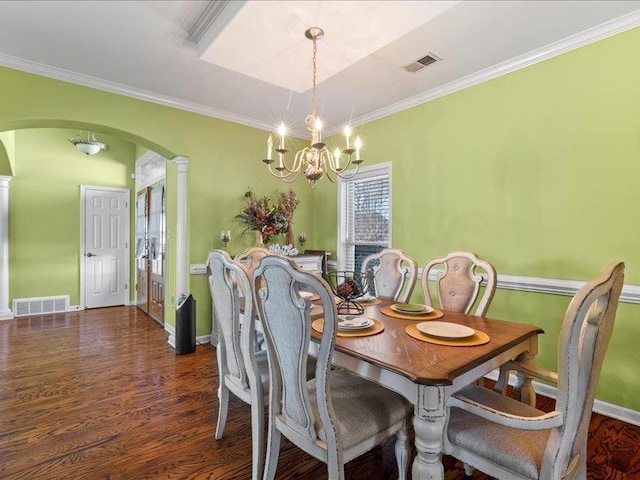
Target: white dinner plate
366, 298
425, 309
353, 322
445, 329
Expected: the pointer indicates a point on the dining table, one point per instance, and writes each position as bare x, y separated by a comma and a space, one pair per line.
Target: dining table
426, 373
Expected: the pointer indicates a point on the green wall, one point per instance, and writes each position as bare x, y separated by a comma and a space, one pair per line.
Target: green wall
536, 171
44, 207
7, 152
224, 160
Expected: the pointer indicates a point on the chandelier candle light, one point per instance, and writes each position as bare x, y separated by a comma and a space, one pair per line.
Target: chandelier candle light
316, 160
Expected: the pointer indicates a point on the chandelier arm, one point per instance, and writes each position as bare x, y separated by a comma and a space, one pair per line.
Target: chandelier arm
284, 177
347, 177
297, 162
328, 173
294, 168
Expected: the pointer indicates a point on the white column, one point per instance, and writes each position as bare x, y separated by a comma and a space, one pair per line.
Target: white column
5, 311
181, 225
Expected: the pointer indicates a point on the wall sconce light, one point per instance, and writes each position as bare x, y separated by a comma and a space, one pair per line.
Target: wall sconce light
225, 236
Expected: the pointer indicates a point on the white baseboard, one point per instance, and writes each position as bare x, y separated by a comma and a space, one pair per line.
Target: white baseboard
170, 329
604, 408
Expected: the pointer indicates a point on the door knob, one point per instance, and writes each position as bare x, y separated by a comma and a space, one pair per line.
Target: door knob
91, 254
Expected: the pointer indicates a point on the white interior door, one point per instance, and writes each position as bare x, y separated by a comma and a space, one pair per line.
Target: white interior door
105, 246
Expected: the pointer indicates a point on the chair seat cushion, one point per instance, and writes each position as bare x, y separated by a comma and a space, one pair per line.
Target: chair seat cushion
362, 408
515, 450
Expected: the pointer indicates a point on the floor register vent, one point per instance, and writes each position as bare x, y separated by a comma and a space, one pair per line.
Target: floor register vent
40, 305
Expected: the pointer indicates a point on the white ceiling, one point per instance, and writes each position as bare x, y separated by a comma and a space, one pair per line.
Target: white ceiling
253, 65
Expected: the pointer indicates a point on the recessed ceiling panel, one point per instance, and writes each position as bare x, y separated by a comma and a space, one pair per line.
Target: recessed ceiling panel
265, 39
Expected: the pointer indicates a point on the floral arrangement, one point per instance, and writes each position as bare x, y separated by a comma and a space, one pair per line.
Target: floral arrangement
261, 215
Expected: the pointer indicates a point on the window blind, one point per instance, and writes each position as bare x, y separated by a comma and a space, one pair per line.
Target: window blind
366, 210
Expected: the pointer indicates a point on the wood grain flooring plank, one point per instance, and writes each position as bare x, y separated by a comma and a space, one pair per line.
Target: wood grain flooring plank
99, 394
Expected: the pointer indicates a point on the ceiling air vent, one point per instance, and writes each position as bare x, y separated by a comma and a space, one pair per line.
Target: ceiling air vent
423, 62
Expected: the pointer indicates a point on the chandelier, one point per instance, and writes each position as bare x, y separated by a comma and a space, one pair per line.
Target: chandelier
88, 146
315, 160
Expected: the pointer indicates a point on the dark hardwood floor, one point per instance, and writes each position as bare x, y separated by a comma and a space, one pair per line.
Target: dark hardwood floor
101, 395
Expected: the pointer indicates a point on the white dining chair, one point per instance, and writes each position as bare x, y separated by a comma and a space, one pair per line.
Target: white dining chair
393, 272
242, 369
507, 439
458, 276
338, 415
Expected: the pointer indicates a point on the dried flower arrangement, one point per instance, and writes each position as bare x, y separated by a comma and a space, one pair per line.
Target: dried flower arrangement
260, 215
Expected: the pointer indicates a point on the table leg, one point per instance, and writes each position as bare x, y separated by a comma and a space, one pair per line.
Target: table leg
428, 424
523, 390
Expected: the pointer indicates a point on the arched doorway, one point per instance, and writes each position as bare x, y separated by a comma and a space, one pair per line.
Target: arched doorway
178, 197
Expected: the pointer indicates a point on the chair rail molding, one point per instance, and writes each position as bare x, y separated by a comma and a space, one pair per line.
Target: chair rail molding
552, 286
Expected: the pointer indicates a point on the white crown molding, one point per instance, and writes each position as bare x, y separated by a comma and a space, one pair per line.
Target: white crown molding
604, 408
121, 89
586, 37
578, 40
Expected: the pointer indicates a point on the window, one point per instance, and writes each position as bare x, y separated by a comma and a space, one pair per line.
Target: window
364, 215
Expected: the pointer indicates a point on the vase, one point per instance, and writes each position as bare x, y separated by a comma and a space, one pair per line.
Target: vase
288, 238
259, 239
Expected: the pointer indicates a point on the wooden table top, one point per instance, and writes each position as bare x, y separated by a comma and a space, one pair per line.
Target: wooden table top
426, 363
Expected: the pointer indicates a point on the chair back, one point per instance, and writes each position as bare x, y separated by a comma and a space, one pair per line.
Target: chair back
459, 282
394, 274
250, 258
287, 327
582, 345
235, 344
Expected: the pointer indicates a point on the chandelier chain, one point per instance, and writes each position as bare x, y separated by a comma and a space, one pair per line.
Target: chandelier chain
313, 90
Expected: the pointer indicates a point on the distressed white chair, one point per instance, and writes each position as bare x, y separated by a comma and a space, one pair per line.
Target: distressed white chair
338, 415
458, 284
510, 440
248, 260
242, 369
394, 274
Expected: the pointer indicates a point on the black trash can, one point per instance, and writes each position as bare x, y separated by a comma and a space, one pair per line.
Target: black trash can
185, 324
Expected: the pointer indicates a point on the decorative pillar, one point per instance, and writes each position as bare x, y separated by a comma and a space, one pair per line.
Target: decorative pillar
5, 311
181, 225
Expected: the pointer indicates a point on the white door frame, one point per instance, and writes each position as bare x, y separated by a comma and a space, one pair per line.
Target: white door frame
83, 193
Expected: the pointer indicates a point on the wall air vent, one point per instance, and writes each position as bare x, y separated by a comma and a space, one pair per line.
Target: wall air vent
425, 61
38, 306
